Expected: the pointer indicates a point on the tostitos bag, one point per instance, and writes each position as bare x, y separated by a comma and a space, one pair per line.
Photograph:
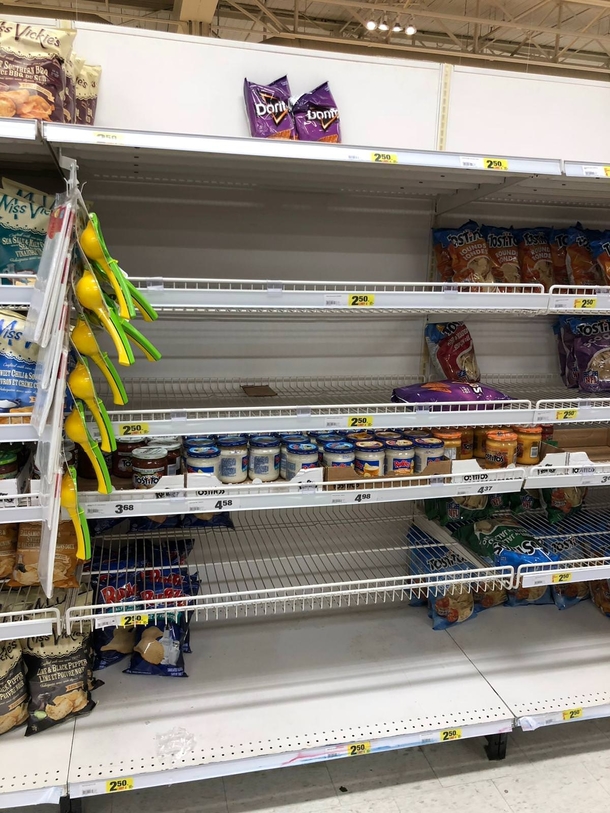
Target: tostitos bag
535, 256
469, 254
558, 240
451, 351
504, 254
582, 268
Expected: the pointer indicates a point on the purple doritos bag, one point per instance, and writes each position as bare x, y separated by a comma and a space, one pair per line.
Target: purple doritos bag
268, 109
448, 391
316, 116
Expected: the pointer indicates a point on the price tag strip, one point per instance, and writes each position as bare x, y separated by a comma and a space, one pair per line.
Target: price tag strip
128, 429
384, 158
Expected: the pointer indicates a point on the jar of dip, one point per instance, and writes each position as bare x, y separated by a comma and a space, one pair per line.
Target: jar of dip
70, 453
264, 458
467, 450
370, 458
9, 467
399, 457
480, 438
148, 464
300, 456
416, 434
387, 434
427, 450
294, 437
233, 458
173, 448
547, 432
121, 458
500, 449
360, 434
339, 453
203, 460
322, 438
452, 439
529, 440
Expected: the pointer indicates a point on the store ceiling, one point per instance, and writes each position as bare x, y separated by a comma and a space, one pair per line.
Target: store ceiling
550, 36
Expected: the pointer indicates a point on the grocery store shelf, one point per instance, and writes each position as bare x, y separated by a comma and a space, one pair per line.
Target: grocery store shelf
579, 299
20, 508
291, 562
280, 297
295, 691
16, 290
14, 129
576, 473
25, 611
171, 499
547, 666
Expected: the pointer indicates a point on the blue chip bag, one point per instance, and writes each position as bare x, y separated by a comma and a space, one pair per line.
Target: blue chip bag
17, 364
567, 595
158, 650
220, 520
111, 644
23, 229
529, 595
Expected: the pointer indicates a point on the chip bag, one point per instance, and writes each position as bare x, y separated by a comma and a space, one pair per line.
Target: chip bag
600, 595
17, 365
524, 500
13, 687
451, 351
591, 350
562, 502
567, 595
600, 251
8, 549
582, 268
504, 254
268, 109
535, 256
316, 116
441, 256
469, 254
504, 541
23, 230
459, 509
558, 240
529, 595
446, 391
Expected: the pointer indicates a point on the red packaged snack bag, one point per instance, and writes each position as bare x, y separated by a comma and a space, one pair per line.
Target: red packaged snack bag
470, 258
582, 268
535, 256
452, 351
558, 240
504, 254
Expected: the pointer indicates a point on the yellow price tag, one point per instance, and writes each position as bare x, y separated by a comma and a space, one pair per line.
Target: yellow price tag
116, 785
360, 300
137, 620
451, 734
357, 748
359, 421
561, 578
108, 138
572, 714
566, 414
384, 158
607, 172
133, 429
590, 302
496, 163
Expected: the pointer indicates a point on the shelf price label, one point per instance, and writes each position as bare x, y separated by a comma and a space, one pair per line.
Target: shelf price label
566, 414
572, 714
101, 137
561, 578
360, 300
451, 734
596, 172
496, 163
384, 158
358, 748
358, 421
117, 785
587, 303
126, 429
136, 620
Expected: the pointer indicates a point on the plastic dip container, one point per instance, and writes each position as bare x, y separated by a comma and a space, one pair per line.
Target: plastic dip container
416, 434
360, 434
339, 453
198, 441
295, 437
387, 434
264, 458
322, 438
300, 456
233, 458
203, 460
480, 439
173, 447
467, 450
148, 466
529, 439
370, 458
452, 439
427, 450
399, 457
121, 459
9, 467
500, 449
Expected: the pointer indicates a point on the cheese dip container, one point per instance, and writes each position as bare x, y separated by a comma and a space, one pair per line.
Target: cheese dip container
300, 456
370, 458
427, 450
500, 449
264, 458
452, 440
339, 453
233, 458
399, 457
529, 440
203, 460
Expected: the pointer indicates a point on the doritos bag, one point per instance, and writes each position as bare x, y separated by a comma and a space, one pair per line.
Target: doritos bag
535, 256
316, 116
268, 109
504, 254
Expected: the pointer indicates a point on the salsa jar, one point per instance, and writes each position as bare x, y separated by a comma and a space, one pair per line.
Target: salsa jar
121, 458
148, 465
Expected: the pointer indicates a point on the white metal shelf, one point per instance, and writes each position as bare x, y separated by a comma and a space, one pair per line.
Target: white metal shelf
25, 611
239, 296
13, 129
20, 508
295, 561
547, 666
301, 691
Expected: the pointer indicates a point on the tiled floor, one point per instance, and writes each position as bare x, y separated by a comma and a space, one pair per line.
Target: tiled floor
565, 767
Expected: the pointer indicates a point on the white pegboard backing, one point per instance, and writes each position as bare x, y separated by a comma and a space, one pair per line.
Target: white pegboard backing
478, 120
34, 770
366, 89
259, 691
540, 660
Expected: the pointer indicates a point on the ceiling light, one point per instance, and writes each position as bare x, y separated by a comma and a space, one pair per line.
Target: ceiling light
383, 26
396, 28
371, 25
410, 30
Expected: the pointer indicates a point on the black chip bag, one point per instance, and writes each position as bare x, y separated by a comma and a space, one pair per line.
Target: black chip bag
268, 109
13, 687
57, 675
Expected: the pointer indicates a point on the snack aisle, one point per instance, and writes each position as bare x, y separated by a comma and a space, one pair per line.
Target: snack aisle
293, 284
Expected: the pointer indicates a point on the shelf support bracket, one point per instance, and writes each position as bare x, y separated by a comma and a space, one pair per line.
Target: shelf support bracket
496, 747
447, 203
